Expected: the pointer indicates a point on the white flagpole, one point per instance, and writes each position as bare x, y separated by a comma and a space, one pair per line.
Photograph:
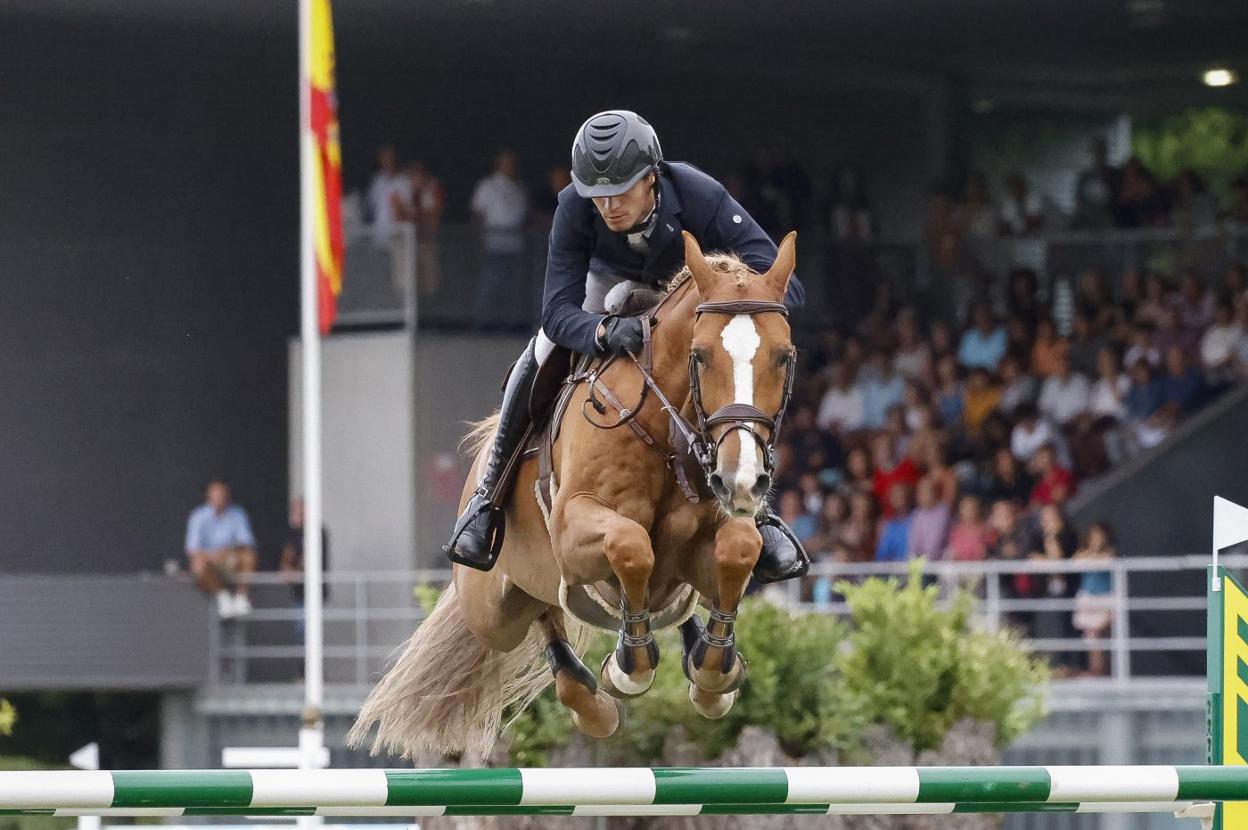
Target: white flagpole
311, 736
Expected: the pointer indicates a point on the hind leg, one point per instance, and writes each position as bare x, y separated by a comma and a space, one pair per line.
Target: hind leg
594, 712
714, 667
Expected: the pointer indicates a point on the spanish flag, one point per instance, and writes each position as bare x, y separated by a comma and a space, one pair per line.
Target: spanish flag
327, 166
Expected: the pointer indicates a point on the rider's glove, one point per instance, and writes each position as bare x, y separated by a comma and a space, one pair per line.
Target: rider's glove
621, 335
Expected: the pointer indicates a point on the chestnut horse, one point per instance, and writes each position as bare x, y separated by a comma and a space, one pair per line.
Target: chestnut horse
628, 544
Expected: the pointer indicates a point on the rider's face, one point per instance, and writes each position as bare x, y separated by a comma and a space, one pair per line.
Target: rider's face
624, 211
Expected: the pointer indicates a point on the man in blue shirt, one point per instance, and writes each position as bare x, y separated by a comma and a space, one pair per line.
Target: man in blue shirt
618, 223
221, 549
984, 345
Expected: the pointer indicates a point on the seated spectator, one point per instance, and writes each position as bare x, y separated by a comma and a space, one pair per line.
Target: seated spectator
833, 517
917, 411
860, 473
1094, 604
1193, 208
1142, 347
1022, 210
1173, 334
1007, 479
976, 215
949, 391
1141, 202
1047, 349
1130, 293
841, 409
983, 345
1194, 302
894, 544
792, 511
1017, 387
929, 522
1155, 306
1235, 283
1217, 346
941, 340
1024, 301
292, 559
1181, 385
1086, 342
1032, 432
1064, 395
1109, 392
889, 472
1054, 483
222, 550
932, 454
970, 535
814, 449
859, 531
981, 398
881, 390
913, 357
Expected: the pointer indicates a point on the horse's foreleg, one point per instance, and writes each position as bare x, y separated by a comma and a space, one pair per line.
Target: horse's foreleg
714, 667
594, 712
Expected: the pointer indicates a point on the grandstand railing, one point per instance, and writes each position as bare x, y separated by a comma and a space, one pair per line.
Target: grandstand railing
370, 613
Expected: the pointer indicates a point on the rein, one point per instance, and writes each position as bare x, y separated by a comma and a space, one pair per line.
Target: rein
689, 440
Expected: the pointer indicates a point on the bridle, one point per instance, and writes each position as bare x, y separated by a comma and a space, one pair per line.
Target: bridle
689, 440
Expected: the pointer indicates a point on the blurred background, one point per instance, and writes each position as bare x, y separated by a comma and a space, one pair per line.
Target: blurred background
1023, 230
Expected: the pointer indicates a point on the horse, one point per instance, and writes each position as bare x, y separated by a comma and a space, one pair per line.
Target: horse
645, 524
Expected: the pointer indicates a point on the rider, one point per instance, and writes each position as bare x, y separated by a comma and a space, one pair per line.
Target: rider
621, 220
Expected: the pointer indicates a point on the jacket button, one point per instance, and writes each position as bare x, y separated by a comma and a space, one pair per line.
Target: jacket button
736, 218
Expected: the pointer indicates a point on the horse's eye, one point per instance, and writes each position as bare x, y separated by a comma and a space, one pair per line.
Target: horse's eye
699, 357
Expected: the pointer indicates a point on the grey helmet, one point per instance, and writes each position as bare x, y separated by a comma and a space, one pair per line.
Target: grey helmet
612, 151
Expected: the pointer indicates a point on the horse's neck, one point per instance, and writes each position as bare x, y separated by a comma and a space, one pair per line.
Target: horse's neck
671, 343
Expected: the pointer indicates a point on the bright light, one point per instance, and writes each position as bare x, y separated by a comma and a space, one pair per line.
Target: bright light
1220, 76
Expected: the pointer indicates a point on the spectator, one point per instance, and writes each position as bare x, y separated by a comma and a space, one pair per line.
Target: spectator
816, 449
1155, 307
292, 560
1031, 432
833, 517
841, 409
500, 208
547, 201
882, 389
1142, 347
847, 210
1094, 604
941, 340
1141, 203
428, 201
1236, 211
1195, 303
1235, 283
970, 535
390, 202
929, 523
977, 216
1181, 386
1085, 343
1130, 293
1057, 543
914, 402
1007, 479
936, 469
1109, 393
982, 346
1054, 483
1217, 346
861, 475
1046, 349
777, 189
1024, 302
889, 472
1193, 207
1096, 191
222, 550
1017, 387
950, 400
1174, 334
1012, 540
792, 511
859, 531
913, 357
1144, 396
1064, 395
894, 544
1022, 211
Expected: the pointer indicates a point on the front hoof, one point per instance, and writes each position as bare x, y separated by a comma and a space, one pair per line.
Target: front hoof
620, 685
711, 705
603, 719
716, 682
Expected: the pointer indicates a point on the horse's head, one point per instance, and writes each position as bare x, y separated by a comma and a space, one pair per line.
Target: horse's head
741, 369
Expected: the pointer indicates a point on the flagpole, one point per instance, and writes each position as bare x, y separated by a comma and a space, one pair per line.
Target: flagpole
311, 735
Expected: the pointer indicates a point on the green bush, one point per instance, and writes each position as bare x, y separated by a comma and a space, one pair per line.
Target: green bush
8, 717
1211, 141
817, 682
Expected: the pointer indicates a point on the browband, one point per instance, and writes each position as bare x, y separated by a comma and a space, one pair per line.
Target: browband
742, 307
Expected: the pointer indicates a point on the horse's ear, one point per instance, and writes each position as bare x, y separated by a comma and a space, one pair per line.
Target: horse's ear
703, 276
781, 270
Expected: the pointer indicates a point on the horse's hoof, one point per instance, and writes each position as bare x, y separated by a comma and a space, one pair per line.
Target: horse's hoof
616, 683
719, 683
711, 705
604, 719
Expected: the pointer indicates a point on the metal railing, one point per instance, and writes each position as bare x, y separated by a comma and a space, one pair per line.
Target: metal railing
370, 613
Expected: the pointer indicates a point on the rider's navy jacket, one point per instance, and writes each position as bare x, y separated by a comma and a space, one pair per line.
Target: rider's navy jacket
581, 242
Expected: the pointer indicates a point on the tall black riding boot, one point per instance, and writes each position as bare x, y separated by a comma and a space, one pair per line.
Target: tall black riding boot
478, 534
783, 556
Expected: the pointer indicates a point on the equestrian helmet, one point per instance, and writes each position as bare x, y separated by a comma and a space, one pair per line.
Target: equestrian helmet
612, 151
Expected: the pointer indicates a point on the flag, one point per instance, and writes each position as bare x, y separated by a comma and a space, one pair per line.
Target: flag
327, 166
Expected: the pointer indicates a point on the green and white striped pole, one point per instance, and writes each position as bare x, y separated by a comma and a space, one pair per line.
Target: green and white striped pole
622, 791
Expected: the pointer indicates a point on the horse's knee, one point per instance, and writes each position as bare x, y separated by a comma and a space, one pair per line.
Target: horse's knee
737, 546
627, 546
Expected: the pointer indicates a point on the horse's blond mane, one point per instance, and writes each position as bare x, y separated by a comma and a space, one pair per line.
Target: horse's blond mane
720, 264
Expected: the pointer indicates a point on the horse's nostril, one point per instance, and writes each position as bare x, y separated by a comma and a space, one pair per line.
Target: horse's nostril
718, 487
761, 487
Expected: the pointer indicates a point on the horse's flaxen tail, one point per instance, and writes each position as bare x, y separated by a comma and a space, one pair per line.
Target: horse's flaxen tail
447, 692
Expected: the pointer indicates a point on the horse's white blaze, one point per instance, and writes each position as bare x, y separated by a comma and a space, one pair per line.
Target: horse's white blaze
741, 340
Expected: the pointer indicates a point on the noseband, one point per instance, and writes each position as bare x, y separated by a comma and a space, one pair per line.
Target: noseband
739, 416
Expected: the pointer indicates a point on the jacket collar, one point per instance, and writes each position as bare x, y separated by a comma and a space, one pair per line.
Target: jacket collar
668, 225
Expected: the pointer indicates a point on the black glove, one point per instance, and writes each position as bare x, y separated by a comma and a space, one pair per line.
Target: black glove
622, 334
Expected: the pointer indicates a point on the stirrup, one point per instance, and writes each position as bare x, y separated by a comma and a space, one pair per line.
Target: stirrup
498, 529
